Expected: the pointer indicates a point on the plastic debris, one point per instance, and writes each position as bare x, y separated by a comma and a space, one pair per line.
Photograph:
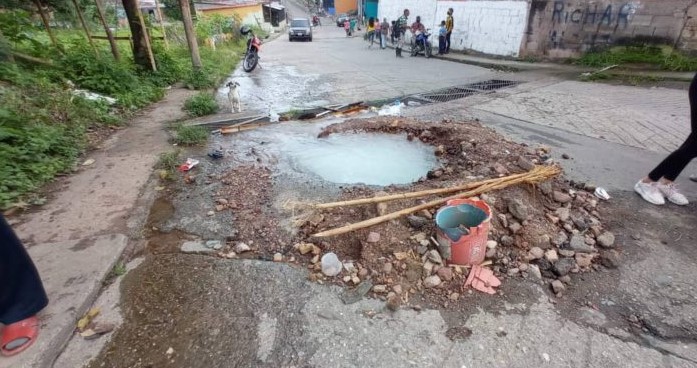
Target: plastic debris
87, 95
482, 279
601, 193
391, 110
188, 165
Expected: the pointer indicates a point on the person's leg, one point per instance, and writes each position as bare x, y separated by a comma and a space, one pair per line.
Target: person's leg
22, 294
447, 42
670, 168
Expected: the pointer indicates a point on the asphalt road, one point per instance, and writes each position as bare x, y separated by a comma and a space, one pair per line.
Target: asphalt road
220, 313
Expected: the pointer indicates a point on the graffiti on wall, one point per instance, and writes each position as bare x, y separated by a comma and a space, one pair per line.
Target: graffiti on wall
611, 15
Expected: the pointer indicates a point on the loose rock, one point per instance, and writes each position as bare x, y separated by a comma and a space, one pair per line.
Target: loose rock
445, 273
491, 244
331, 266
417, 222
387, 268
222, 201
543, 241
563, 266
515, 227
561, 197
454, 296
552, 256
278, 257
558, 286
380, 289
535, 272
518, 209
373, 237
536, 253
610, 259
525, 164
606, 239
241, 248
432, 281
578, 244
507, 240
584, 259
434, 256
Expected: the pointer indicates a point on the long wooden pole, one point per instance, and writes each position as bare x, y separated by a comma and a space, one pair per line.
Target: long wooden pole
162, 25
190, 34
148, 47
109, 35
422, 193
47, 25
84, 26
538, 174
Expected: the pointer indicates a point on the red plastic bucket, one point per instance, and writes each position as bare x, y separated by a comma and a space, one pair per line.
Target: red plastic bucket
468, 249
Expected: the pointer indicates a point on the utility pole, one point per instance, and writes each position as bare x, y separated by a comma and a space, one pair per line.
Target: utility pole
190, 34
109, 35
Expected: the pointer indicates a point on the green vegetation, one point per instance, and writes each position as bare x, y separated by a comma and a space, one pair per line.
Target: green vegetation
43, 125
167, 164
201, 104
627, 79
659, 57
190, 135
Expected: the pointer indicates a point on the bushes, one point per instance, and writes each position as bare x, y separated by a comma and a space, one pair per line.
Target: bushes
660, 57
201, 104
190, 135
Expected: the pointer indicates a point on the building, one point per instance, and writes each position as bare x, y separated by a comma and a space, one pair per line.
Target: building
248, 11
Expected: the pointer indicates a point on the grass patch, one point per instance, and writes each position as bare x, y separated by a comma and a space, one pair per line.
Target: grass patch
632, 80
201, 104
659, 57
190, 135
167, 164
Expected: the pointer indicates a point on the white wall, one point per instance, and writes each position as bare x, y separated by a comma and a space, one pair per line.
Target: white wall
494, 27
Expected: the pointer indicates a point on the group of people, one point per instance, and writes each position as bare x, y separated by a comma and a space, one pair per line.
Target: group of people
377, 31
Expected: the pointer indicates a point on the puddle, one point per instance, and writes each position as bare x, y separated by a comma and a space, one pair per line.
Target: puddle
372, 159
277, 88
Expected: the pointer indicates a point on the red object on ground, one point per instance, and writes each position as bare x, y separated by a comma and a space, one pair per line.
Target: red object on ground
482, 279
26, 328
469, 249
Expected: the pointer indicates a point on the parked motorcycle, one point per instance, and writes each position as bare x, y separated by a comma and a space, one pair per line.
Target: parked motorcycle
421, 44
251, 57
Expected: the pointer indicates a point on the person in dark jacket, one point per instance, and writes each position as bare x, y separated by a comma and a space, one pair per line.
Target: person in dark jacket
22, 294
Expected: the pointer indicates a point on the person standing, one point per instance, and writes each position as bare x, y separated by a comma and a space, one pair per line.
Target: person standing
370, 30
22, 294
449, 24
352, 24
384, 31
659, 184
401, 28
441, 38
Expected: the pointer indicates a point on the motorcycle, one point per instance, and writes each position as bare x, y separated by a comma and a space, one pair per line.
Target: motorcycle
251, 56
422, 44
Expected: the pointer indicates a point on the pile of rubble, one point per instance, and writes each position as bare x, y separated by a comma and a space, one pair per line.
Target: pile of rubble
545, 233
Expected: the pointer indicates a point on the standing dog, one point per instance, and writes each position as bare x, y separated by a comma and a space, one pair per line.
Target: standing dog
234, 97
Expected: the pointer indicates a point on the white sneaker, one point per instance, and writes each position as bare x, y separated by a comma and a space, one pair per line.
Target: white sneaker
650, 192
670, 191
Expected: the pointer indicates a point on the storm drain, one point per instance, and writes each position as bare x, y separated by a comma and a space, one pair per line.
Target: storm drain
458, 92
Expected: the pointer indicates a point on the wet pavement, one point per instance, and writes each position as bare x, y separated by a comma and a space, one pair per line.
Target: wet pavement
196, 310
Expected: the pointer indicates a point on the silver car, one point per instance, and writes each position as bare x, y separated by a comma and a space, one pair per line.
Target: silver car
300, 28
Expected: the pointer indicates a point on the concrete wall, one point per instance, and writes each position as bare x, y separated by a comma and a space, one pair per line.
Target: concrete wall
493, 27
560, 29
248, 14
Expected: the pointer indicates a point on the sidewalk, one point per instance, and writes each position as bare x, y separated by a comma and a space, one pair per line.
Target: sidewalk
516, 65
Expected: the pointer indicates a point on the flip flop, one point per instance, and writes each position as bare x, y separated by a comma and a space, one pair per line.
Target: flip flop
18, 336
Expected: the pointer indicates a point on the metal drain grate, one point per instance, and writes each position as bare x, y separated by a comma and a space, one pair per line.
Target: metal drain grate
448, 94
492, 84
458, 92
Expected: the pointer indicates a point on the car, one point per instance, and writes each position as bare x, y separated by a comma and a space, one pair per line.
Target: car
300, 28
340, 19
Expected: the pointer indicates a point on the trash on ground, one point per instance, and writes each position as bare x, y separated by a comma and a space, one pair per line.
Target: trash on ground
463, 230
482, 279
96, 330
188, 165
88, 162
601, 193
87, 95
216, 154
87, 318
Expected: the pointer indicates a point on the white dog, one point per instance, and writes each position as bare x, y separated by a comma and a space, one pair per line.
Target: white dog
233, 96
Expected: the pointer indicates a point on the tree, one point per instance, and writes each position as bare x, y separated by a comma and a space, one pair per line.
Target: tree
190, 34
141, 56
109, 35
44, 19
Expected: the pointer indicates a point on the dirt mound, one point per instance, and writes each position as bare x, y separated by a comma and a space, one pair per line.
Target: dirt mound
543, 232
